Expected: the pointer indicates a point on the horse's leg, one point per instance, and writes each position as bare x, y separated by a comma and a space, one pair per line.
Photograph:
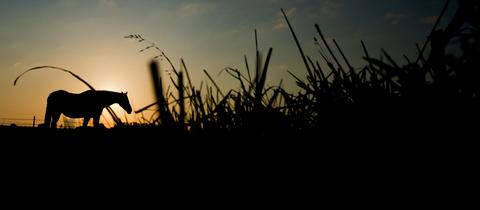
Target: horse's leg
48, 116
55, 117
96, 121
85, 121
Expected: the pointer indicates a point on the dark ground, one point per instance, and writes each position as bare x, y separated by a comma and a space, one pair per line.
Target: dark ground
398, 170
384, 147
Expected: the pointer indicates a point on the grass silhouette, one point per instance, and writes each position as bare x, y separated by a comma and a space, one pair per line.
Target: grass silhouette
432, 94
384, 103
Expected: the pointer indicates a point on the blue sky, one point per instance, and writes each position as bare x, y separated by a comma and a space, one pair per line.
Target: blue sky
86, 37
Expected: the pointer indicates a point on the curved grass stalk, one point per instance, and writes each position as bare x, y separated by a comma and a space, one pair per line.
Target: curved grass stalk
110, 110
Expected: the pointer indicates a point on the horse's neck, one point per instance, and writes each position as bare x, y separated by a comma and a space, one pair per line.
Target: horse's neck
107, 98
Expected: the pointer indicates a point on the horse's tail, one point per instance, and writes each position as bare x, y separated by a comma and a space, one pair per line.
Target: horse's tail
48, 115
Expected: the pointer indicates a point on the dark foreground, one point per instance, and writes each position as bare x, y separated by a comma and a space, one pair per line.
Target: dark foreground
396, 168
448, 142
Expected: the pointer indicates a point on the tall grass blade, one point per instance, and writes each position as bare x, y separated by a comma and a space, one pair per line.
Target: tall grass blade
261, 82
296, 41
444, 9
420, 54
214, 83
367, 56
248, 69
275, 95
390, 59
201, 108
258, 59
158, 89
343, 55
57, 68
145, 108
186, 73
311, 75
320, 73
328, 47
181, 103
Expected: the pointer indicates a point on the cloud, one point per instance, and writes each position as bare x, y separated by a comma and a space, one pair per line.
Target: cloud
430, 20
330, 7
68, 3
394, 18
107, 3
17, 66
193, 8
280, 21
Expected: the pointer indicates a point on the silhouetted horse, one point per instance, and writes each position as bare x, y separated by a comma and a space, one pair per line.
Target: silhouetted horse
86, 105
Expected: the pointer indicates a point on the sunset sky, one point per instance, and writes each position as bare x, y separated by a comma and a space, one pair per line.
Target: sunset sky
86, 37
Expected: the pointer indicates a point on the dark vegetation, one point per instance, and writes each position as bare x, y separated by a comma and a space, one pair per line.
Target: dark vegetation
429, 104
434, 94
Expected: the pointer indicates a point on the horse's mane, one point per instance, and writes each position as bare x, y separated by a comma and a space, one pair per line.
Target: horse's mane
103, 92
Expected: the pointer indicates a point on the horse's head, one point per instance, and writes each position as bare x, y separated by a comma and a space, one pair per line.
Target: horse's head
124, 103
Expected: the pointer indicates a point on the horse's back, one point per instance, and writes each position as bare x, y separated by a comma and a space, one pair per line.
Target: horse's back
89, 93
57, 94
62, 97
